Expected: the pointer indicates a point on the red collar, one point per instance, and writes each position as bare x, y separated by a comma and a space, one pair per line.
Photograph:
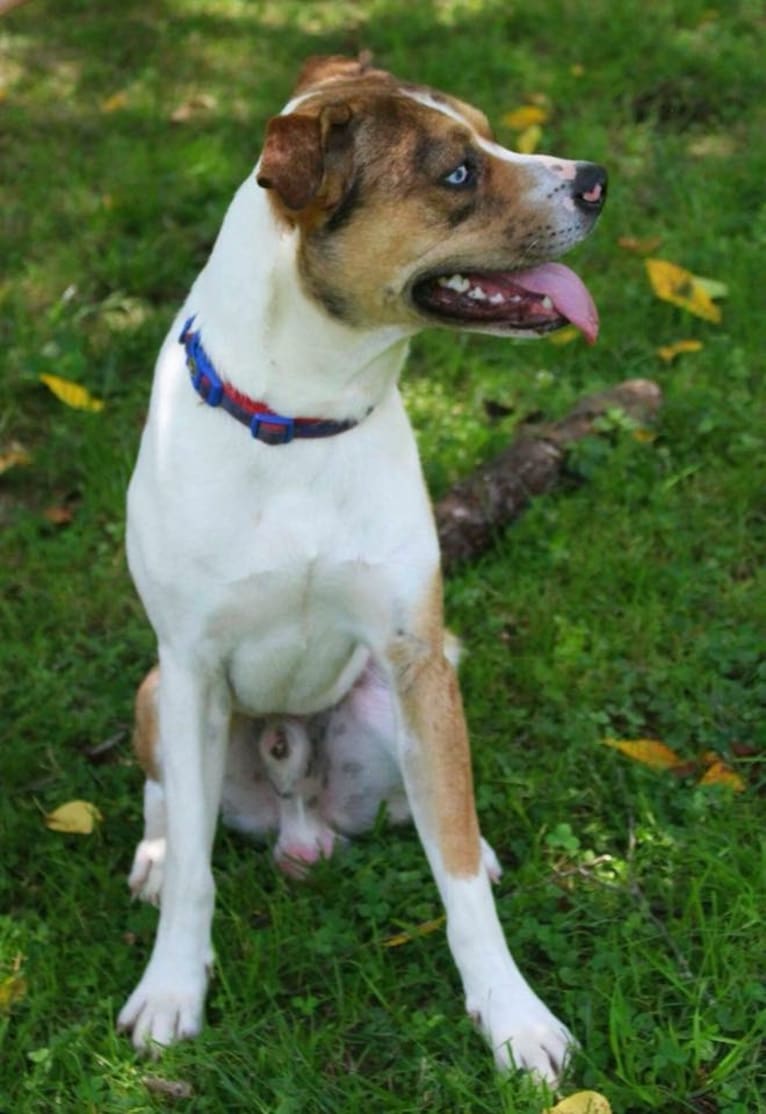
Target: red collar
264, 424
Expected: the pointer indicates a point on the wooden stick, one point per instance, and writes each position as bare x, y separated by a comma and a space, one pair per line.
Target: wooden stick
472, 513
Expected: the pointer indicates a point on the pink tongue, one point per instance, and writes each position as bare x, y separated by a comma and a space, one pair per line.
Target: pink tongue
568, 293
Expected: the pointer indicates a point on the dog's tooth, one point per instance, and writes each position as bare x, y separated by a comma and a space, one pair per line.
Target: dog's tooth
477, 294
547, 303
497, 299
455, 282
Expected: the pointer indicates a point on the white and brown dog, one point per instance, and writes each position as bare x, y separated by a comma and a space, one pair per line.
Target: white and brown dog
279, 530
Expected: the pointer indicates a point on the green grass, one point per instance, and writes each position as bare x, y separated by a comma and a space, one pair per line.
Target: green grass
631, 602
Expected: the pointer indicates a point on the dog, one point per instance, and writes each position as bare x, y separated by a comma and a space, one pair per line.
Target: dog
279, 531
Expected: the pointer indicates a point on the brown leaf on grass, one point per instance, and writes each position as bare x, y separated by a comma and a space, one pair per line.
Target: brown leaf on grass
675, 284
659, 756
583, 1102
650, 752
721, 146
641, 247
169, 1088
115, 102
15, 456
58, 516
12, 990
194, 105
718, 773
743, 750
75, 817
668, 352
420, 930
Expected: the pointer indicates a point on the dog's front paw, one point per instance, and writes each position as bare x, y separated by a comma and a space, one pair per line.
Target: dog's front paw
165, 1007
145, 878
523, 1034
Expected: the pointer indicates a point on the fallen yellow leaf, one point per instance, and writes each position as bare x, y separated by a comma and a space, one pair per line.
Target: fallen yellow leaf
524, 116
72, 394
421, 930
642, 247
528, 141
648, 751
644, 436
115, 102
565, 335
584, 1102
577, 69
718, 773
79, 817
12, 989
198, 102
713, 146
674, 284
669, 352
14, 455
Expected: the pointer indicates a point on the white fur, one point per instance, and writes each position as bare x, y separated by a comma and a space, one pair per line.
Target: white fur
272, 575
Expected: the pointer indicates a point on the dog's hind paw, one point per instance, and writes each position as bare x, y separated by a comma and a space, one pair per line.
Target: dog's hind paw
490, 861
145, 878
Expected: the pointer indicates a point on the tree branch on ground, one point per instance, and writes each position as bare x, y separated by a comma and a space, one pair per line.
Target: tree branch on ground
470, 516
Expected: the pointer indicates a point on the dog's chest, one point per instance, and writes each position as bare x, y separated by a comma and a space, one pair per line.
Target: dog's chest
285, 575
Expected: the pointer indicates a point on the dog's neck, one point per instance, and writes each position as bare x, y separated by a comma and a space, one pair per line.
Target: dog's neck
273, 342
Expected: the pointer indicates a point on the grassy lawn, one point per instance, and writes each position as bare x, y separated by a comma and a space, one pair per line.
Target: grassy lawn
631, 603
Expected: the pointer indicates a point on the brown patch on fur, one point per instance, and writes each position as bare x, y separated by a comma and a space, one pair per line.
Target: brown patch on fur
428, 689
146, 727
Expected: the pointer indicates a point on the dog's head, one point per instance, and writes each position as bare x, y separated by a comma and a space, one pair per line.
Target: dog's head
409, 213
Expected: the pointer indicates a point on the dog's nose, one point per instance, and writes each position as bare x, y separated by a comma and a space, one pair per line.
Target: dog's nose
589, 187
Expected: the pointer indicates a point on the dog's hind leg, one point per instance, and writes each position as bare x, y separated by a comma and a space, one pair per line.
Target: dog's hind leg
145, 878
194, 712
435, 761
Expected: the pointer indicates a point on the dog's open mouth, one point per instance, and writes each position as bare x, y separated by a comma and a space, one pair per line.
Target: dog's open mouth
535, 301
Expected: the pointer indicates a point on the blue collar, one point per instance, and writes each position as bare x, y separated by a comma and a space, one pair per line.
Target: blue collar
264, 424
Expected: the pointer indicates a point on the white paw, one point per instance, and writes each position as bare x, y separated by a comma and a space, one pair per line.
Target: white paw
145, 878
523, 1034
490, 861
165, 1007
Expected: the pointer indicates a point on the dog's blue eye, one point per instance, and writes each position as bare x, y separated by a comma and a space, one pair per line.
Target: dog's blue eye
463, 175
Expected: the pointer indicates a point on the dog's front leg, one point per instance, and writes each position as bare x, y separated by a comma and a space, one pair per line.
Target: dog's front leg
194, 712
435, 759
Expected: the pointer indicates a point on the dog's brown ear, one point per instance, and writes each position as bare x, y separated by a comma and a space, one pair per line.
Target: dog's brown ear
304, 155
292, 163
